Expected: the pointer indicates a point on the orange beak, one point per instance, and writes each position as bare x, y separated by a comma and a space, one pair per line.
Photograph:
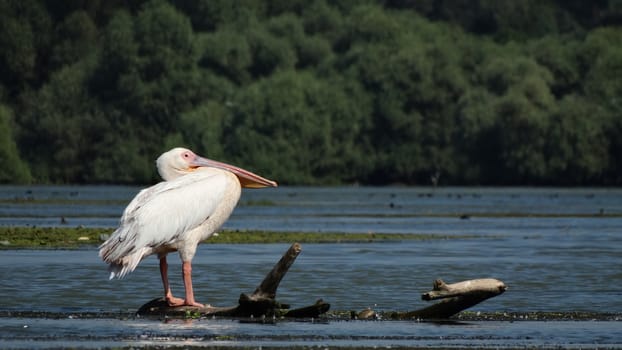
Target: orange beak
247, 178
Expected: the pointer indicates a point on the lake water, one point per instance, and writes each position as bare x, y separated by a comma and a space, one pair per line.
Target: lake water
558, 250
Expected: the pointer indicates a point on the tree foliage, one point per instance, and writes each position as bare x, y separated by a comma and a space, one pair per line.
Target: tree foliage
314, 92
14, 169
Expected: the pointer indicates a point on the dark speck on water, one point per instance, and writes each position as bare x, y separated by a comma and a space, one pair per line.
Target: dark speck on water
558, 251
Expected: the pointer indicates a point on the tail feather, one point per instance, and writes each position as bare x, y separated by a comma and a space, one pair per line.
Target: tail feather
121, 253
121, 244
121, 267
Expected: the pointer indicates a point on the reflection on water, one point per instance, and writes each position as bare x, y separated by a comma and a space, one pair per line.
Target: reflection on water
556, 249
104, 333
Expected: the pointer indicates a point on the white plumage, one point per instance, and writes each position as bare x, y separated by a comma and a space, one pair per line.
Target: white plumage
171, 216
176, 215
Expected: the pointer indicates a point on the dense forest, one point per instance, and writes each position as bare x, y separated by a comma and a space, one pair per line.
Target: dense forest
417, 92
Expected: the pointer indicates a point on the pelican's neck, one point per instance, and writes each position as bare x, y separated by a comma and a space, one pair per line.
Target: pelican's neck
168, 172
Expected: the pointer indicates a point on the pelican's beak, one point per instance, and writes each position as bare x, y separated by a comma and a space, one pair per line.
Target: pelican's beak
247, 178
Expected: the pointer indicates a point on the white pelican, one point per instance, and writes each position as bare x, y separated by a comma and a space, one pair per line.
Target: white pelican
194, 200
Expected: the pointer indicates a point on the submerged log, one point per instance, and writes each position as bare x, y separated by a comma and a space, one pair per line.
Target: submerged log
261, 303
311, 311
455, 298
484, 287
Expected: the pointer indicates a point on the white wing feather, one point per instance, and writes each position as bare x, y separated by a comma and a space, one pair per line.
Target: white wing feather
161, 215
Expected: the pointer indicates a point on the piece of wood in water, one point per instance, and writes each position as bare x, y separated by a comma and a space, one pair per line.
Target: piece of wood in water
454, 298
312, 311
267, 288
489, 287
261, 303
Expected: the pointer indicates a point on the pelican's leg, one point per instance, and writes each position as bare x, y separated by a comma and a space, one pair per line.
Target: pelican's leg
187, 273
168, 295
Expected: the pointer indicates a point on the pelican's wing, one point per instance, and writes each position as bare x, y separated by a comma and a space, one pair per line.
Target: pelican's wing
163, 213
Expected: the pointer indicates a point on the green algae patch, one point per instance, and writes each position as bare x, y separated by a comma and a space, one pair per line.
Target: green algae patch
50, 237
77, 237
320, 237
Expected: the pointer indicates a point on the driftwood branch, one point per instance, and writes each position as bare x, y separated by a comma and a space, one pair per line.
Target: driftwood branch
454, 298
261, 303
485, 287
269, 285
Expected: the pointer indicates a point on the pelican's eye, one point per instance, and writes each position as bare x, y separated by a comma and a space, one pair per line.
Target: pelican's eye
189, 157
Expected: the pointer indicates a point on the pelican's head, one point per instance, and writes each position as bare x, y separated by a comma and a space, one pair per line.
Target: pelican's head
175, 163
181, 161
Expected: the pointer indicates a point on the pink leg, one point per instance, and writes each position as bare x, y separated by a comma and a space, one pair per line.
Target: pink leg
168, 295
187, 273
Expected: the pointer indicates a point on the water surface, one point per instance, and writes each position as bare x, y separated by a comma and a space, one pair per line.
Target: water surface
558, 250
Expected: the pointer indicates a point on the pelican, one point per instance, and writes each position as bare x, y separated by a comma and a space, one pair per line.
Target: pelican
194, 200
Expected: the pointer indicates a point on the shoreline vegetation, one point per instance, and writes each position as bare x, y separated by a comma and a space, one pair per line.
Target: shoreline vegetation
81, 237
454, 92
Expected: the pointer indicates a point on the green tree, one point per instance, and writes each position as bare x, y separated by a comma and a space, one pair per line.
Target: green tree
77, 38
415, 83
64, 128
270, 53
520, 130
560, 58
602, 53
577, 144
292, 127
506, 124
211, 15
25, 29
228, 53
310, 50
600, 56
147, 77
476, 138
203, 127
118, 60
398, 91
320, 19
14, 169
